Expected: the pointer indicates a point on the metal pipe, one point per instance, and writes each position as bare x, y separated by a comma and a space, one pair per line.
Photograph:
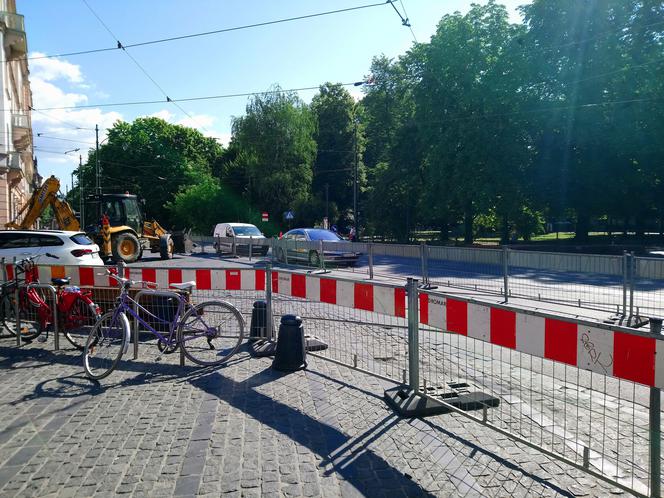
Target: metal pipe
370, 253
506, 272
654, 428
632, 267
625, 282
413, 336
251, 246
268, 301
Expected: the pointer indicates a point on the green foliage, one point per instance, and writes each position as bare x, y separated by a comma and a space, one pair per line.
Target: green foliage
276, 151
152, 159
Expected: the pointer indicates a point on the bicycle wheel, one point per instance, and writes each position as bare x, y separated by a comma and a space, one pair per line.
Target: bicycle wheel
105, 345
211, 332
79, 321
30, 327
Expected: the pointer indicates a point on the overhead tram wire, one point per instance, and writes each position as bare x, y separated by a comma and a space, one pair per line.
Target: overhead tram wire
143, 70
209, 33
191, 99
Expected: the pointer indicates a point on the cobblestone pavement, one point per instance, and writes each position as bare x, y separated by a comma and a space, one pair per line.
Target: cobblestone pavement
156, 429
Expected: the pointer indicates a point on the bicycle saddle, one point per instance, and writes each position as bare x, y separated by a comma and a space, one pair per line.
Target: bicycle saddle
60, 281
185, 286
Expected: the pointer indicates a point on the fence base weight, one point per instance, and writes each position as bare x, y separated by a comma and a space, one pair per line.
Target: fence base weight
263, 347
407, 403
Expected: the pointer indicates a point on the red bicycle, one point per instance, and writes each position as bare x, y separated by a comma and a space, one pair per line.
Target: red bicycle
76, 311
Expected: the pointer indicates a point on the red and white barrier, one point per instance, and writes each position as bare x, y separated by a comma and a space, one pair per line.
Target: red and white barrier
617, 353
365, 296
205, 278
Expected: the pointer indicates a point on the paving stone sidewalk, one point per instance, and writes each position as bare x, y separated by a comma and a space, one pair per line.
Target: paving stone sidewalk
154, 428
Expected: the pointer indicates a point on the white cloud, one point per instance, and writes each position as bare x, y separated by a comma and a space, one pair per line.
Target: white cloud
202, 122
46, 94
53, 69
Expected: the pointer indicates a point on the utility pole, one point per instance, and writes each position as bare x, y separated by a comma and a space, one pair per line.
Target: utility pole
81, 204
356, 152
98, 173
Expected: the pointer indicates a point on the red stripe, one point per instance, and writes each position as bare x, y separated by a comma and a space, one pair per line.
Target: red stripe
298, 285
275, 282
400, 303
10, 272
457, 316
328, 291
86, 276
149, 275
560, 340
364, 296
260, 279
424, 308
503, 328
204, 279
633, 358
174, 277
233, 280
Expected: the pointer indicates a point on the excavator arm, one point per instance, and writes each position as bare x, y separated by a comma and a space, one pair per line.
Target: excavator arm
47, 195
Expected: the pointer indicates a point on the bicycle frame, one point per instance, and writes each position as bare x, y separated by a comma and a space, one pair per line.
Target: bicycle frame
134, 311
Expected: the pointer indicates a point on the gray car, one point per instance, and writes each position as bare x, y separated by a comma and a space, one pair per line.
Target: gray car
334, 251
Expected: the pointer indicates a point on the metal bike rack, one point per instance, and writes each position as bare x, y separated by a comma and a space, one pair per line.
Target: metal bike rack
56, 328
137, 298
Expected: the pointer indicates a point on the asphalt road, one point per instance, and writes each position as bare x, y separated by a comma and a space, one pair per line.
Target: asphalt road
590, 294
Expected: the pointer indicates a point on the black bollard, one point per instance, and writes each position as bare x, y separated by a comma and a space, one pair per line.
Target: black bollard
258, 327
291, 350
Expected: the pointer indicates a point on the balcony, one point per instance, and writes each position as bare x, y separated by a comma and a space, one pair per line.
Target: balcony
16, 44
21, 131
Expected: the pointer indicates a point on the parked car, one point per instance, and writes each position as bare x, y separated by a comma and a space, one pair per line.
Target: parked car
71, 248
242, 233
332, 253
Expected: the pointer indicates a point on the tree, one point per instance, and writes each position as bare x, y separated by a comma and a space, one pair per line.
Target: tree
152, 159
337, 129
598, 66
276, 140
468, 85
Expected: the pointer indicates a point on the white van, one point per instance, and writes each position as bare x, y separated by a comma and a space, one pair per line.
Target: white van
242, 233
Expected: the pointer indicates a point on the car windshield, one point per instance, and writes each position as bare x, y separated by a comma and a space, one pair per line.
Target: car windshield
323, 235
247, 231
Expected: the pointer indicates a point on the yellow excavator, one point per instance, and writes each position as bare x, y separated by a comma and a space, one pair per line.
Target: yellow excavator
122, 232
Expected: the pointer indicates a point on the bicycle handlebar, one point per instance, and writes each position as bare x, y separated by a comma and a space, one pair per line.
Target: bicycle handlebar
124, 281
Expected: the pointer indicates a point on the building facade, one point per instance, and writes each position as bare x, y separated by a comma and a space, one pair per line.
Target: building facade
18, 172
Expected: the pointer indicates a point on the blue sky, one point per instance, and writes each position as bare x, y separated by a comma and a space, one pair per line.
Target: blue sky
302, 53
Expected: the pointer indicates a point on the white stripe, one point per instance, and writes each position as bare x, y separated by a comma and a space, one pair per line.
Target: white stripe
135, 274
530, 334
218, 279
248, 279
595, 349
437, 309
284, 280
44, 274
345, 294
162, 279
313, 288
101, 277
383, 300
73, 273
659, 364
188, 275
479, 322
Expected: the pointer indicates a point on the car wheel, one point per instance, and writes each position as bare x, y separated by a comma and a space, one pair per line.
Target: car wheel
314, 258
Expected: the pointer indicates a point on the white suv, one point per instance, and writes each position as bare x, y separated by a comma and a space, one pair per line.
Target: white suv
71, 248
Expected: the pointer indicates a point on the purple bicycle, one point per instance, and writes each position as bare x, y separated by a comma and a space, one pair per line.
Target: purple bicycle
209, 333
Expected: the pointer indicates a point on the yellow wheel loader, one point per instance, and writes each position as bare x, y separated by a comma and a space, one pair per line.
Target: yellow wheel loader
121, 232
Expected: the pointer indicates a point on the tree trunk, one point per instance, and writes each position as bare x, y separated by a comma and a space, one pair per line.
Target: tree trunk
468, 223
582, 227
504, 230
444, 231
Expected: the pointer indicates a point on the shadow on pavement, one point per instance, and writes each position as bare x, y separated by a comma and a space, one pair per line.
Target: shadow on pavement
349, 457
